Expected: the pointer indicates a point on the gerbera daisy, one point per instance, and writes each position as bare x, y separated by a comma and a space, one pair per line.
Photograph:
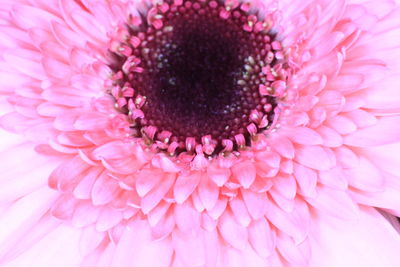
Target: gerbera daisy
199, 133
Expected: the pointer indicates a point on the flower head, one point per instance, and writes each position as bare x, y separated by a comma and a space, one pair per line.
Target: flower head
207, 133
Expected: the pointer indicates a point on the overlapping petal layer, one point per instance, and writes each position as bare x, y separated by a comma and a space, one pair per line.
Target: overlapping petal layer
330, 154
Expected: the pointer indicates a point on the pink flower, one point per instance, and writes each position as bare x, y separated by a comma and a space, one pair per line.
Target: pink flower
206, 133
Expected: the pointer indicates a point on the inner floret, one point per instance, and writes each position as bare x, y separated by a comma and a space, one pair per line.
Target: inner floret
200, 76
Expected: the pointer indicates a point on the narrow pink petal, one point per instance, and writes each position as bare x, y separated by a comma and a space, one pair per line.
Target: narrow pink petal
90, 239
59, 243
256, 203
208, 192
330, 136
104, 190
346, 157
240, 211
245, 172
146, 180
218, 175
85, 22
149, 201
156, 214
91, 121
136, 248
314, 157
283, 146
165, 163
297, 254
60, 178
286, 204
361, 118
334, 178
218, 209
185, 185
84, 188
108, 218
28, 17
386, 131
17, 220
342, 124
187, 218
189, 248
334, 202
366, 176
304, 136
368, 240
285, 185
25, 65
261, 237
164, 228
388, 199
233, 233
307, 180
269, 158
212, 247
55, 68
295, 223
85, 214
66, 36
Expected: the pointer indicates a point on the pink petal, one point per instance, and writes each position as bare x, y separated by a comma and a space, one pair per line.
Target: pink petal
346, 157
149, 201
25, 65
90, 239
334, 178
342, 124
245, 172
283, 146
386, 131
108, 218
346, 242
295, 223
190, 249
256, 203
297, 254
307, 180
218, 209
219, 175
362, 118
314, 157
285, 185
61, 177
366, 176
146, 180
56, 69
261, 237
330, 136
240, 211
286, 204
233, 233
85, 214
91, 121
158, 213
104, 190
84, 188
304, 136
111, 150
187, 218
185, 185
208, 192
136, 248
335, 202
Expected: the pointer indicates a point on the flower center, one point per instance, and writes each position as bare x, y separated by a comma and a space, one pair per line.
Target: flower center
198, 75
